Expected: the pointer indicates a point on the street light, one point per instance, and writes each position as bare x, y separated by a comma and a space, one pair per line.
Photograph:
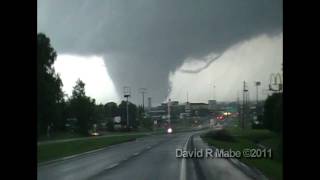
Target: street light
126, 91
169, 120
244, 103
258, 83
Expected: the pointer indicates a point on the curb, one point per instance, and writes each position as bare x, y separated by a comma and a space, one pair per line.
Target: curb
250, 171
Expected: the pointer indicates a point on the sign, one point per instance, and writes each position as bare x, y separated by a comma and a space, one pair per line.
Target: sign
117, 119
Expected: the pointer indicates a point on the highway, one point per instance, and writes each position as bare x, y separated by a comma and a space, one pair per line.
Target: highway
151, 157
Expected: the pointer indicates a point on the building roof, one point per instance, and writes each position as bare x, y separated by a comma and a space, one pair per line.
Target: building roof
198, 104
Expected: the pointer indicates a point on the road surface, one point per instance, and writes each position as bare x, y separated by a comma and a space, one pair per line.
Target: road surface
152, 157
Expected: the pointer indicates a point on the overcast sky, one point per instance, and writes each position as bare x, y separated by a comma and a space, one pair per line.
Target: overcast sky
160, 44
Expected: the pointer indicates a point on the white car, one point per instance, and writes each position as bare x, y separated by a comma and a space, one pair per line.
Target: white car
169, 130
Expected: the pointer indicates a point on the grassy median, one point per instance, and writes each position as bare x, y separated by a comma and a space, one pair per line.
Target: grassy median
238, 139
53, 151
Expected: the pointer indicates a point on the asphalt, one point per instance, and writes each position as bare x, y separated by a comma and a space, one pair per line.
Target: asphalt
152, 157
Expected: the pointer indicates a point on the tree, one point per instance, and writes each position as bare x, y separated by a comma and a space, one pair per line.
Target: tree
145, 122
111, 109
132, 114
272, 117
140, 115
49, 93
82, 107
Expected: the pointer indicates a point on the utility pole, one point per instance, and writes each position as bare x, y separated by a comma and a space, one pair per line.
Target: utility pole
143, 91
242, 117
238, 106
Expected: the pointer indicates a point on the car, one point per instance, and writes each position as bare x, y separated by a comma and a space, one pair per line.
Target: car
169, 130
94, 133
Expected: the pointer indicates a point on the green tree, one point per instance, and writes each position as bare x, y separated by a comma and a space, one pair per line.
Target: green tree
132, 114
49, 93
99, 114
140, 115
147, 123
272, 117
82, 107
111, 111
144, 121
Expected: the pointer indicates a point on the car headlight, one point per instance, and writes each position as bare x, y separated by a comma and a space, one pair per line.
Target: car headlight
95, 134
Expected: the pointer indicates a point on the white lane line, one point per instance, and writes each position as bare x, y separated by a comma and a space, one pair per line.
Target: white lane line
112, 166
183, 162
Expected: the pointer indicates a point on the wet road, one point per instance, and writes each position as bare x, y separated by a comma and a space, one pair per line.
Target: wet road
152, 157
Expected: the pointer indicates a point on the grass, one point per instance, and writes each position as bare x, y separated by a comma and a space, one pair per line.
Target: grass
48, 152
271, 167
60, 135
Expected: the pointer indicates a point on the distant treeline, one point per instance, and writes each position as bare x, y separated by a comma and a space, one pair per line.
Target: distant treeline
53, 108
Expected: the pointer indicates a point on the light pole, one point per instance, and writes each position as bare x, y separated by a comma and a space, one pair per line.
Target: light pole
127, 95
169, 120
244, 103
258, 83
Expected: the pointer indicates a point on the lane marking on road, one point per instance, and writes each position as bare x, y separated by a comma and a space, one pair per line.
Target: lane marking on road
183, 162
112, 166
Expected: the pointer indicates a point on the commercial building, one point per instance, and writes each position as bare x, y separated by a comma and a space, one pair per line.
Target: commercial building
197, 106
212, 105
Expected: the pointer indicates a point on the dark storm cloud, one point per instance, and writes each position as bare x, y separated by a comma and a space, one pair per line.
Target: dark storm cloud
143, 40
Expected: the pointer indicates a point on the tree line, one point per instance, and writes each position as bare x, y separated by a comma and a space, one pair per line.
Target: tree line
54, 109
271, 118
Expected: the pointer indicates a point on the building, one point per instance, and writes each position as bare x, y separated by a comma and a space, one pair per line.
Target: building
174, 103
212, 104
157, 114
196, 106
